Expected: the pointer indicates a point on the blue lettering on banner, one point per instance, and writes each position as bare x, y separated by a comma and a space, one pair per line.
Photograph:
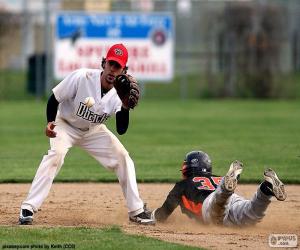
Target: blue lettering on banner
117, 25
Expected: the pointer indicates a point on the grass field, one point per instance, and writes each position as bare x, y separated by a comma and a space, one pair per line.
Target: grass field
259, 133
79, 238
14, 85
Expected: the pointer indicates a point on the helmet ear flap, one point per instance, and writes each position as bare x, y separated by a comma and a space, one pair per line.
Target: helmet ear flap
184, 170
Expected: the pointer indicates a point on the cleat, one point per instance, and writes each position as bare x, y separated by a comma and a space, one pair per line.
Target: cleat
276, 188
146, 210
232, 176
143, 218
26, 217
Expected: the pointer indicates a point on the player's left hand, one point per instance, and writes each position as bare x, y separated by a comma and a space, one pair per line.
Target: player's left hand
128, 90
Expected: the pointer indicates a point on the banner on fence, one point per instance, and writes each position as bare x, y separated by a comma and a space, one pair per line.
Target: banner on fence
82, 39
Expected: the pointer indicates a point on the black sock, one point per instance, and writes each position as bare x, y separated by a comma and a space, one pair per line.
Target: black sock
26, 213
266, 188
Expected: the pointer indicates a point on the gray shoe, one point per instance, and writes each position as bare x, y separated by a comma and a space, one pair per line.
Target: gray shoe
26, 217
232, 176
146, 210
277, 187
143, 218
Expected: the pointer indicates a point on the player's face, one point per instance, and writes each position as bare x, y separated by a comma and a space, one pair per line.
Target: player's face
111, 70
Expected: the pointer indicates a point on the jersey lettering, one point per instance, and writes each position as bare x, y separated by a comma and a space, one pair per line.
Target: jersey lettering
84, 112
205, 183
216, 180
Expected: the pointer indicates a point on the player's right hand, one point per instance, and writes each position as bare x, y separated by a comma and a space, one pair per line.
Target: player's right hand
50, 130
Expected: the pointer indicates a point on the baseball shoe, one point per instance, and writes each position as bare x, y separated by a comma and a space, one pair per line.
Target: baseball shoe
146, 210
274, 185
143, 218
232, 176
26, 217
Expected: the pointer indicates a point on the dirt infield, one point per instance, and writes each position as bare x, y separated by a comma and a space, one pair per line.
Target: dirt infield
98, 205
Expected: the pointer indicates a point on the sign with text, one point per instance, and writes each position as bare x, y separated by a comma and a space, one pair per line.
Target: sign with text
82, 40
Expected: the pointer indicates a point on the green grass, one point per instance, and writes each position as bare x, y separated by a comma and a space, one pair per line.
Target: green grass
13, 85
203, 85
81, 238
259, 133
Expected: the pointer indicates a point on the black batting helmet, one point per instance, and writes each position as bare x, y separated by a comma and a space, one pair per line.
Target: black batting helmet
196, 162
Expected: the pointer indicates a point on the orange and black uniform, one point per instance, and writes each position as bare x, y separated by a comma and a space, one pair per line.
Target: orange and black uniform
190, 194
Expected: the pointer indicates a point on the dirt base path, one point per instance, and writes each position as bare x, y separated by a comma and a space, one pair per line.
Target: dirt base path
98, 205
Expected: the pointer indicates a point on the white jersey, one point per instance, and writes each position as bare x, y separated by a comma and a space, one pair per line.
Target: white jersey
72, 92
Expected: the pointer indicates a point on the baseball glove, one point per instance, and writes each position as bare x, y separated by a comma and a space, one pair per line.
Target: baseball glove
128, 90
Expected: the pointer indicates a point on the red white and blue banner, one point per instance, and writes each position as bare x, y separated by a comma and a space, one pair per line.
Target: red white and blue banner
82, 39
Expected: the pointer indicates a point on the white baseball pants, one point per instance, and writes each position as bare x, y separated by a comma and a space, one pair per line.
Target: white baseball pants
227, 208
100, 143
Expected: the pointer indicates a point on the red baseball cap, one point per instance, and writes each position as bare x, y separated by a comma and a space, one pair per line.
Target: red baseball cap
118, 53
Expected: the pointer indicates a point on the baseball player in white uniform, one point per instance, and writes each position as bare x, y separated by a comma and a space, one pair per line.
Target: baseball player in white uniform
74, 121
